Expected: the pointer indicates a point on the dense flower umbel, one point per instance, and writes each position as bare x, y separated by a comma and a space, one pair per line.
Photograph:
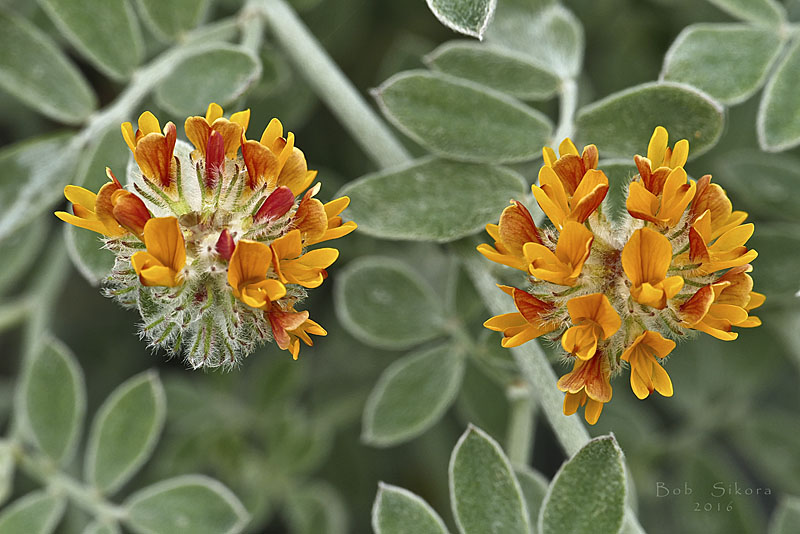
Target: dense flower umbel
212, 247
621, 292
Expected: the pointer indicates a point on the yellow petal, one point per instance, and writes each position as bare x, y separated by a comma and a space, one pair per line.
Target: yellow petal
657, 148
80, 196
249, 264
164, 241
148, 123
213, 112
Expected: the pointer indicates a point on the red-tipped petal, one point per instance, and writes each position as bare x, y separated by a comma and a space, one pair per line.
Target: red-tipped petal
215, 158
277, 204
130, 211
225, 245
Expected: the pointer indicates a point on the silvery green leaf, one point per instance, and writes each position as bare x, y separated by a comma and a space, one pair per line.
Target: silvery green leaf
102, 528
398, 511
552, 36
385, 304
35, 513
220, 73
51, 401
622, 123
462, 120
764, 185
34, 175
6, 470
124, 432
778, 122
768, 12
187, 504
469, 17
587, 495
316, 509
171, 19
412, 394
501, 69
84, 246
786, 517
534, 488
20, 249
35, 71
730, 62
431, 199
484, 493
105, 31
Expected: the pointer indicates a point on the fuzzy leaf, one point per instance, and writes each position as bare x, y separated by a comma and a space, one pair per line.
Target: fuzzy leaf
485, 495
35, 513
786, 517
20, 249
778, 122
124, 432
778, 247
188, 504
33, 177
220, 74
316, 509
385, 304
469, 17
763, 185
35, 71
105, 31
431, 199
102, 528
621, 124
411, 395
587, 494
51, 401
170, 19
462, 120
84, 246
551, 36
768, 12
501, 69
398, 511
534, 489
730, 62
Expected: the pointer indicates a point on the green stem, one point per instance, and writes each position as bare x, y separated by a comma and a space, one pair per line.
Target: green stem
568, 103
331, 85
521, 426
42, 469
15, 312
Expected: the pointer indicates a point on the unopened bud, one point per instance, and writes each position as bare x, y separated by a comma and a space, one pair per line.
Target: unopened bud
277, 204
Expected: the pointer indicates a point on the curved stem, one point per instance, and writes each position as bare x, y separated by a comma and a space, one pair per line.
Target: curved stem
521, 426
568, 103
331, 85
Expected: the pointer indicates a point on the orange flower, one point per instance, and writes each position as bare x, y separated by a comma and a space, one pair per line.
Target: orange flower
711, 197
571, 167
660, 160
276, 161
94, 212
565, 265
525, 324
292, 266
247, 275
647, 374
645, 260
153, 150
310, 217
561, 206
515, 229
336, 228
726, 251
587, 383
163, 263
301, 333
594, 318
198, 130
666, 208
718, 307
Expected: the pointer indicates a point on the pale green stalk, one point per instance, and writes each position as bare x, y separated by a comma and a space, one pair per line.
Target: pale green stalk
331, 85
519, 438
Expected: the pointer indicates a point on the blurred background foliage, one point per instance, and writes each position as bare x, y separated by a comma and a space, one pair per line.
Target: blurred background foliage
286, 437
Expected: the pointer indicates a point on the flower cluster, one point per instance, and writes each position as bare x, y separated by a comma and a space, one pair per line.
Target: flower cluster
212, 245
616, 295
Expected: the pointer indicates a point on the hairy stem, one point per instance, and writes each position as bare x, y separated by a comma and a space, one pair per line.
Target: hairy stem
568, 103
521, 426
331, 85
